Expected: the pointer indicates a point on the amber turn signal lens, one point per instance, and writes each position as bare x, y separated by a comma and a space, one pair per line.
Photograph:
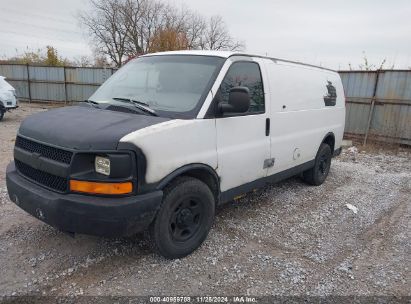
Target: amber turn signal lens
101, 188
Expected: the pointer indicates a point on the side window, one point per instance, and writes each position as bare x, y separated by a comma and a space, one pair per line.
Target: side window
245, 74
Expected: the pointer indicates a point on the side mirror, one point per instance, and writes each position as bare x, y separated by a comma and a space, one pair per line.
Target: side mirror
238, 101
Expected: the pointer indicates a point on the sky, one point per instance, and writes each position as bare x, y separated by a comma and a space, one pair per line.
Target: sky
327, 33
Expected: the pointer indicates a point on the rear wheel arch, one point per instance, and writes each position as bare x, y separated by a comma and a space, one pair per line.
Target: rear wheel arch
329, 139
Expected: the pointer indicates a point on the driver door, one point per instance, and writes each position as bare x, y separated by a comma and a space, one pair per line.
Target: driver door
243, 146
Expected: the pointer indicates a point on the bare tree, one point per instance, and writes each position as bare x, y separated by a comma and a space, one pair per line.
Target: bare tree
107, 28
133, 12
195, 27
217, 37
152, 22
122, 29
82, 61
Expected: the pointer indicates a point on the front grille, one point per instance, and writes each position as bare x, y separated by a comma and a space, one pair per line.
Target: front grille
49, 180
56, 154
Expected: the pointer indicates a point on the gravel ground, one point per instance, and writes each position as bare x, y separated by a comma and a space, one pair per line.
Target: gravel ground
286, 239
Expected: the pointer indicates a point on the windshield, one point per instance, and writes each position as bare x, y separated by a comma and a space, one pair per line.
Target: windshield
171, 85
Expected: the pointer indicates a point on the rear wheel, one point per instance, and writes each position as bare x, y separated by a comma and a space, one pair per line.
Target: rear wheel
317, 174
184, 219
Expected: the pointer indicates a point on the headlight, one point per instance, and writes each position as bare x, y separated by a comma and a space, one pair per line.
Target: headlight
8, 96
102, 165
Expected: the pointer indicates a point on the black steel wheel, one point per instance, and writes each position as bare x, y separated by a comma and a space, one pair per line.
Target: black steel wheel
184, 219
317, 175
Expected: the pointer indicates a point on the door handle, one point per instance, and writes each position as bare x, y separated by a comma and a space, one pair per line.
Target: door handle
267, 127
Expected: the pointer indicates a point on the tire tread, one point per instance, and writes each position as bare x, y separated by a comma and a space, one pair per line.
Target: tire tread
310, 175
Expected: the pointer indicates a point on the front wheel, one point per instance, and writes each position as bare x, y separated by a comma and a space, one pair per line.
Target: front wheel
184, 219
317, 174
1, 114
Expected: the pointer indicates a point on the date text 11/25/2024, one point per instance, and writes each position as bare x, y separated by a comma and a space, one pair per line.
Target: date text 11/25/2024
204, 299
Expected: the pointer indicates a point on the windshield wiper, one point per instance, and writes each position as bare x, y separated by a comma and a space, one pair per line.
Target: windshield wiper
95, 104
138, 104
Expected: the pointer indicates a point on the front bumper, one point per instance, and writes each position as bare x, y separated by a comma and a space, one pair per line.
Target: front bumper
11, 108
8, 105
75, 213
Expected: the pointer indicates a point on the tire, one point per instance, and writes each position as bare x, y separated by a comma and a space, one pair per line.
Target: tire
1, 114
184, 219
317, 174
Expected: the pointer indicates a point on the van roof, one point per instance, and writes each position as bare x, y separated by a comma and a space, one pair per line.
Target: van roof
227, 54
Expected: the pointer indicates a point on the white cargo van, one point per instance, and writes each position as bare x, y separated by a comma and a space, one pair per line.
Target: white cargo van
172, 135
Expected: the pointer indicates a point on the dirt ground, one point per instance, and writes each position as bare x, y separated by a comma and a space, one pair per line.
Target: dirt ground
286, 239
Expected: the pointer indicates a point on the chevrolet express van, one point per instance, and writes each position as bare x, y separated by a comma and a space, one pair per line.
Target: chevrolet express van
172, 135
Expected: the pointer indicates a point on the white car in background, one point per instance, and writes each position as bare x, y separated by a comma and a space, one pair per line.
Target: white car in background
8, 100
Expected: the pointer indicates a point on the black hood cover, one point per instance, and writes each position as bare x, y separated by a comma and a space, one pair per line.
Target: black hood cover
84, 128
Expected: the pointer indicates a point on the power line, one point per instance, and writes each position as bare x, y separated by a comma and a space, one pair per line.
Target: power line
20, 14
31, 25
39, 37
